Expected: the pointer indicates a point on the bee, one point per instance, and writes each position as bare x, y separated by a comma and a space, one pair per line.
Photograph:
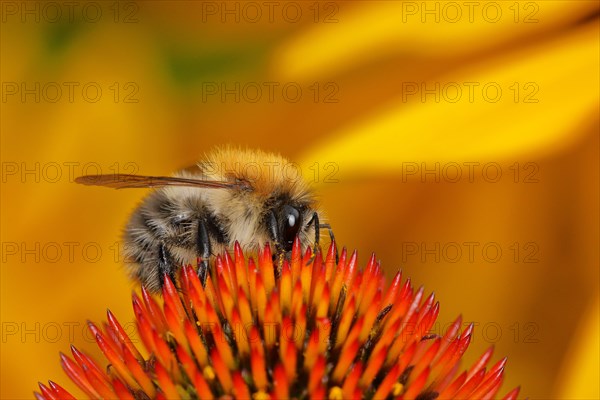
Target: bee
231, 195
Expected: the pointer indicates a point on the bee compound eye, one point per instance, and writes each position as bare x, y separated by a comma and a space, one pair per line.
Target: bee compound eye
291, 226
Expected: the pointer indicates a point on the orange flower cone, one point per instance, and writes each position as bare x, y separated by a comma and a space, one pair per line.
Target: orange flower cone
313, 328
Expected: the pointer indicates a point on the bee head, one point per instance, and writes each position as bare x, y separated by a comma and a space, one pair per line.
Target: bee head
285, 219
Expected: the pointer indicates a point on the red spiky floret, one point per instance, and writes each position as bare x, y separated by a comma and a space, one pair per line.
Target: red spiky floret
307, 328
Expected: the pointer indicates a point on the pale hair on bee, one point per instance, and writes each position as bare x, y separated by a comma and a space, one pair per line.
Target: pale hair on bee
231, 195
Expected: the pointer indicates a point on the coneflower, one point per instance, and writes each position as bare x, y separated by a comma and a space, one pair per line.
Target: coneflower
313, 328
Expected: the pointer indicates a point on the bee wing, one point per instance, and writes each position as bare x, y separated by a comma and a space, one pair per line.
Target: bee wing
125, 181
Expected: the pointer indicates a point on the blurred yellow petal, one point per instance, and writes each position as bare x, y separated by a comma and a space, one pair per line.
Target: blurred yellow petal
435, 29
361, 62
537, 114
579, 376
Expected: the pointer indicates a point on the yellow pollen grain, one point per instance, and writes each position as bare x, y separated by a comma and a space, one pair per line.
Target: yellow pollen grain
336, 393
260, 395
397, 389
208, 373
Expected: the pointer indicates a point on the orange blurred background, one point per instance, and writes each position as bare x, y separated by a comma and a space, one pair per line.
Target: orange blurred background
457, 140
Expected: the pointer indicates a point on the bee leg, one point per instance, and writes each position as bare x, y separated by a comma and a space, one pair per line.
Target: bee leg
315, 220
274, 229
203, 250
166, 265
279, 253
328, 227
